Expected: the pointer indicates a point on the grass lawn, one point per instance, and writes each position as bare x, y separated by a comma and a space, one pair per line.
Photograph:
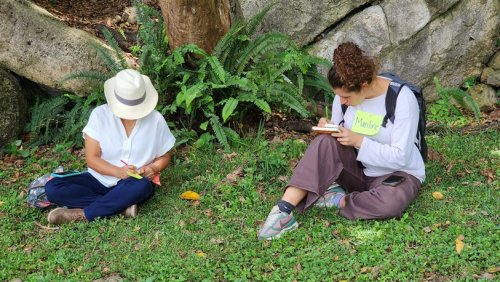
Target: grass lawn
216, 238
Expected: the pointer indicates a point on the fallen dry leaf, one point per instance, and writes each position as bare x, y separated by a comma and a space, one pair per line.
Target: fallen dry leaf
208, 212
229, 157
366, 269
298, 268
449, 167
190, 195
283, 178
459, 244
217, 241
493, 269
437, 195
427, 229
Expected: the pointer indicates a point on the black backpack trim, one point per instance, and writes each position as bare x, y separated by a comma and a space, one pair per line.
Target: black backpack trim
395, 87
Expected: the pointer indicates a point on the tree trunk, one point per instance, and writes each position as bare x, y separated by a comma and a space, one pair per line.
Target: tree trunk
202, 22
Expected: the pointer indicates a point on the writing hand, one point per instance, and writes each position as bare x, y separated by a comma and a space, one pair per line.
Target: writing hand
348, 138
122, 172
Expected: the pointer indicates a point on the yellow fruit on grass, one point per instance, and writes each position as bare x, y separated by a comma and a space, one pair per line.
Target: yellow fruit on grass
190, 195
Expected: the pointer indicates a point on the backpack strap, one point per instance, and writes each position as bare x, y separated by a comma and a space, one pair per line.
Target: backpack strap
390, 101
344, 109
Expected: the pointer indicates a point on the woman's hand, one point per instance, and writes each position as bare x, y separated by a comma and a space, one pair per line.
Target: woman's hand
122, 172
348, 138
148, 171
322, 121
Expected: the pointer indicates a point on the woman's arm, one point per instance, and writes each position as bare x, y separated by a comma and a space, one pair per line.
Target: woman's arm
156, 166
95, 162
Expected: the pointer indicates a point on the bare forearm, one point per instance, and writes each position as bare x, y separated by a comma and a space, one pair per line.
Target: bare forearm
161, 163
103, 167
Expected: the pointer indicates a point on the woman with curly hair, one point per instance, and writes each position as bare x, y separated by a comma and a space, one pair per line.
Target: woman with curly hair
366, 171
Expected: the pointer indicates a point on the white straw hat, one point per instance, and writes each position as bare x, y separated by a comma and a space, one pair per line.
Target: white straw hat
130, 95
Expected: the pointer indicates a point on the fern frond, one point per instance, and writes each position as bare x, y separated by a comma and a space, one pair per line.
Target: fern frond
217, 68
261, 45
256, 20
107, 58
300, 83
116, 48
227, 41
287, 94
88, 75
218, 130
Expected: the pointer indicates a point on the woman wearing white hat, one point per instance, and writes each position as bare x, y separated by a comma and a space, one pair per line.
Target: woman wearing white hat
124, 137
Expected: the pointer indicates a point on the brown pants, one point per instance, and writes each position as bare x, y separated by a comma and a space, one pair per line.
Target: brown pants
326, 161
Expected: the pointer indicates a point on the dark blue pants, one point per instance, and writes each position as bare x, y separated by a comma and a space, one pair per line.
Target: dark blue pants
97, 200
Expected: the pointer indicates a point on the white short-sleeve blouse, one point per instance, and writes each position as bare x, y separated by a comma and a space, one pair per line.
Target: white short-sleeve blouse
149, 139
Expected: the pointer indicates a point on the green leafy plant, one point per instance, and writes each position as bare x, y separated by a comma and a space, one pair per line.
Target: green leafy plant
448, 109
15, 148
245, 74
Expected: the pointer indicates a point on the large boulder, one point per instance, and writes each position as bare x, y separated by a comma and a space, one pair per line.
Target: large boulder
303, 20
13, 107
36, 45
418, 39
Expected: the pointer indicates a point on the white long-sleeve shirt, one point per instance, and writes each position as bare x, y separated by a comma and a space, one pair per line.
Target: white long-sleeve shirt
393, 147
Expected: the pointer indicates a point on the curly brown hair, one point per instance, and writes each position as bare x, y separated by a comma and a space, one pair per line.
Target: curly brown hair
351, 67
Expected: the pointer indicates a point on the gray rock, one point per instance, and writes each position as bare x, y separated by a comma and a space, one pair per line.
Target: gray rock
491, 76
405, 18
302, 20
495, 61
484, 96
13, 107
453, 46
368, 29
35, 45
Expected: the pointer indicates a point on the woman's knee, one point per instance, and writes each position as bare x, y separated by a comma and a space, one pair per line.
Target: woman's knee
140, 188
52, 188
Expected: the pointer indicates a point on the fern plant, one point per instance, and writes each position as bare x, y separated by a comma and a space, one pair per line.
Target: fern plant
460, 96
246, 73
447, 110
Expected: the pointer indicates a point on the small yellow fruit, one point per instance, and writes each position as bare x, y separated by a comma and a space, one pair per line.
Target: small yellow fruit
437, 195
190, 195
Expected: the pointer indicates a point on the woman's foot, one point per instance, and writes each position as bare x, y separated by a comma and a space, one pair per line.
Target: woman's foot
64, 215
276, 224
130, 211
332, 198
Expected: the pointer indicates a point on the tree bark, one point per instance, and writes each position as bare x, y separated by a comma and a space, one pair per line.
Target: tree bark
202, 22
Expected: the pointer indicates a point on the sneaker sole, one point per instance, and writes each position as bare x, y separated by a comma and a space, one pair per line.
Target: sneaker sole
292, 227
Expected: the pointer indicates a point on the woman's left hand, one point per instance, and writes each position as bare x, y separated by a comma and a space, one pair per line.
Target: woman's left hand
147, 171
348, 138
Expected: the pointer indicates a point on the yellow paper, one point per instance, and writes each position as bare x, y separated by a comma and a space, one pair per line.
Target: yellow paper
134, 175
366, 123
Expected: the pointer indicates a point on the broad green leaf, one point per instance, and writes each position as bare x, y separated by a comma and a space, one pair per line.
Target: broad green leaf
204, 125
229, 108
263, 105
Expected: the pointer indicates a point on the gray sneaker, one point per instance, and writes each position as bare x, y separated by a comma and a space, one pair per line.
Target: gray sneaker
276, 224
325, 201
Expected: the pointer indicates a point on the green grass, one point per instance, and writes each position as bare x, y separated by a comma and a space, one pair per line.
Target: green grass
164, 242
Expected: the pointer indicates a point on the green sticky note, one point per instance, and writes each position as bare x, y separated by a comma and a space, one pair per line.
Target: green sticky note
366, 123
134, 175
